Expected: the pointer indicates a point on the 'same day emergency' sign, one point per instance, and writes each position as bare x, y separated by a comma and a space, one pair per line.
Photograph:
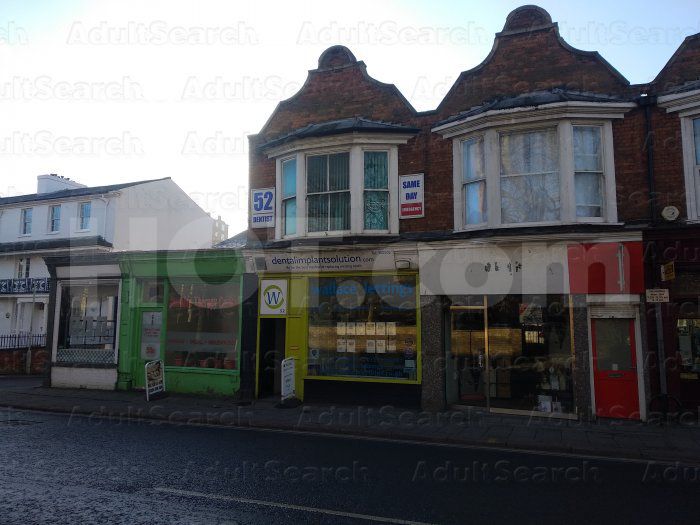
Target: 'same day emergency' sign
411, 196
262, 204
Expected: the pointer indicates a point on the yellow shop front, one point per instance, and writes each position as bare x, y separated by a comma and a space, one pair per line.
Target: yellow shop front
348, 318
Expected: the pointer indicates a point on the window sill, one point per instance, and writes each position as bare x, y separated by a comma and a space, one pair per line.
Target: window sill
85, 230
537, 225
23, 235
53, 233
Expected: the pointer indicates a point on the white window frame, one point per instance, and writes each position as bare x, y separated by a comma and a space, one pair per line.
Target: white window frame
567, 211
52, 219
356, 148
24, 265
81, 217
23, 223
327, 192
691, 170
687, 106
282, 198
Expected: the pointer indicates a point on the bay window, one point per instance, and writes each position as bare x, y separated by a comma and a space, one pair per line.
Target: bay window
529, 176
346, 189
539, 174
474, 181
328, 192
289, 196
588, 171
376, 196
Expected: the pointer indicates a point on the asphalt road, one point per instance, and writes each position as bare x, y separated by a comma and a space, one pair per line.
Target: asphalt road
63, 469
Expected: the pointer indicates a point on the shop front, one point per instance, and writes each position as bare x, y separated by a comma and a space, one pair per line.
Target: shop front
521, 333
673, 268
84, 315
350, 320
184, 308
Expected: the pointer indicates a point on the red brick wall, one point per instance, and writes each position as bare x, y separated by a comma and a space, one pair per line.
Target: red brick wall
520, 62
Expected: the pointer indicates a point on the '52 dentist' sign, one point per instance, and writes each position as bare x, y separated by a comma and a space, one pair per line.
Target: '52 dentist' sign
262, 206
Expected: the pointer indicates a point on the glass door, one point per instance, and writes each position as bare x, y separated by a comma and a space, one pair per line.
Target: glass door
467, 359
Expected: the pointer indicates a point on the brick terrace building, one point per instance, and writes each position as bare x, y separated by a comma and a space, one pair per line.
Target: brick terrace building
487, 253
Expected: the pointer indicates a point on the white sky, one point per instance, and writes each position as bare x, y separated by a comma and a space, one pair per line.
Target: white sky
110, 91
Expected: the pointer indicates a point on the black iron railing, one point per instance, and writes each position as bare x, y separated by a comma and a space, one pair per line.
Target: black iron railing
15, 341
28, 285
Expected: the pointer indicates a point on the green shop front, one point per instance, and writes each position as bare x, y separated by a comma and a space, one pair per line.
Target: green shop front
185, 308
348, 318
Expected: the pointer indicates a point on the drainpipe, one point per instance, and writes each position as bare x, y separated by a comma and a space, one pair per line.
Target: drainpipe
647, 102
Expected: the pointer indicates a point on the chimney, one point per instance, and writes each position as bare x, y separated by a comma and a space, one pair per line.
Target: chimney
52, 182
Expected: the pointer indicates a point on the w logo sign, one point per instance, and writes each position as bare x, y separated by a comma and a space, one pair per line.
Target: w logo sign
273, 297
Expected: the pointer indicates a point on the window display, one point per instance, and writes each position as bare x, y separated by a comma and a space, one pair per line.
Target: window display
363, 327
530, 353
202, 324
87, 324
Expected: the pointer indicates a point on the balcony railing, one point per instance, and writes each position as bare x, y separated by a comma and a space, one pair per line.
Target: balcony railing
29, 285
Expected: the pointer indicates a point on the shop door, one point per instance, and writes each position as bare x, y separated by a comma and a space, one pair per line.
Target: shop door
466, 367
615, 368
271, 354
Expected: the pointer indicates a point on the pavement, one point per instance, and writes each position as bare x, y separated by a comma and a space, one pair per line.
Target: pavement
653, 440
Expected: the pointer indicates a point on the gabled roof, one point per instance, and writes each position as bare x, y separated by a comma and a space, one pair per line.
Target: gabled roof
534, 99
337, 127
77, 192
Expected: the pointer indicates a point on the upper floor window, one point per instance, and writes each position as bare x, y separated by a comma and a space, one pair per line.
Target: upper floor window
289, 196
376, 195
686, 104
328, 192
351, 191
84, 210
561, 172
530, 176
26, 221
54, 218
23, 265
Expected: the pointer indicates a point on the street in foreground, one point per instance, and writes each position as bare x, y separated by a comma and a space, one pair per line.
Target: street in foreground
68, 469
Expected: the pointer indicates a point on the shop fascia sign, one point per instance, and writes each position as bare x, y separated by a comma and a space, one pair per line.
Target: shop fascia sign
340, 260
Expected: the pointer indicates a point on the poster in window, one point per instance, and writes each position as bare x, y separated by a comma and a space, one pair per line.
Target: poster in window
341, 328
381, 346
350, 345
391, 345
359, 328
391, 328
151, 323
351, 328
371, 347
370, 328
380, 328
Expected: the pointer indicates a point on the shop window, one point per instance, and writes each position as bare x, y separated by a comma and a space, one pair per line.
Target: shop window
152, 291
87, 324
203, 324
689, 347
363, 327
529, 349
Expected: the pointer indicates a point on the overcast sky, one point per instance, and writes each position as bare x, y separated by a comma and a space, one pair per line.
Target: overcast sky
111, 91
